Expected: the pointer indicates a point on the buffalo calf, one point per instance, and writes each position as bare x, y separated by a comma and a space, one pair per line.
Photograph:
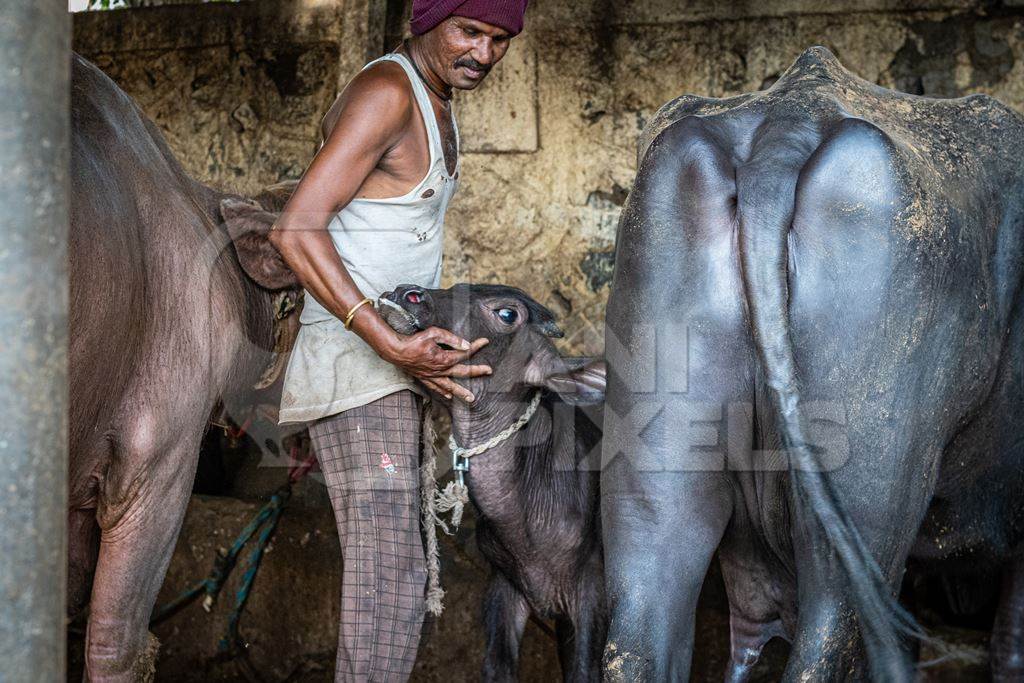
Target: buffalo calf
535, 492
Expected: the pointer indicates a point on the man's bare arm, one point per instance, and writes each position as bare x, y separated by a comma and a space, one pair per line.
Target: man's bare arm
374, 116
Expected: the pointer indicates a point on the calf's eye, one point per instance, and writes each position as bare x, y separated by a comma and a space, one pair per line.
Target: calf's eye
413, 297
508, 315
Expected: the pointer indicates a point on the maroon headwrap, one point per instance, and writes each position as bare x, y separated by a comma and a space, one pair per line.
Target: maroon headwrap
505, 14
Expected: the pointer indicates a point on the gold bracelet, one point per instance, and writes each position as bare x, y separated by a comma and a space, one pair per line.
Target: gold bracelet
351, 314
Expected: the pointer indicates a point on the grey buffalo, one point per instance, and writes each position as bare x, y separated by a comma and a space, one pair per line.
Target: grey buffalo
171, 310
815, 350
536, 491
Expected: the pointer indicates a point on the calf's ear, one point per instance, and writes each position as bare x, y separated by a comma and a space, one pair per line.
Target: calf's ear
579, 381
541, 317
249, 227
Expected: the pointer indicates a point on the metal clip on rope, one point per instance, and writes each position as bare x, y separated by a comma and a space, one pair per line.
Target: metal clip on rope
460, 466
461, 456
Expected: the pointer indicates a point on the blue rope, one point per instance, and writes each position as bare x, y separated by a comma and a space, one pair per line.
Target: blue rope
273, 509
267, 519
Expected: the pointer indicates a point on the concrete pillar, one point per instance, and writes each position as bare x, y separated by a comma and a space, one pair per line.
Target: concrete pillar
361, 35
34, 137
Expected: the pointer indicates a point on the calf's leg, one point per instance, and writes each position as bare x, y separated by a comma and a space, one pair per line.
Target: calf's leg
83, 551
1007, 646
566, 635
505, 615
581, 640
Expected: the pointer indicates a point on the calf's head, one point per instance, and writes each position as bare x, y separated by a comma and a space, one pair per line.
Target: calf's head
520, 331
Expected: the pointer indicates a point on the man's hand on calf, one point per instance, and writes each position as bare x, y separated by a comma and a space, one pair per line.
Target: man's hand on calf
421, 356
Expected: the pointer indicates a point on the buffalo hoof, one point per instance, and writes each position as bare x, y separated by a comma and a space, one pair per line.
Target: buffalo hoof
144, 670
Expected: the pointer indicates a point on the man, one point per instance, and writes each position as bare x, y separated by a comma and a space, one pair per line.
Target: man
367, 216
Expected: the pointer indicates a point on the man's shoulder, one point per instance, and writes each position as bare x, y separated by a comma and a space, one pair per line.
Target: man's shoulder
381, 91
384, 83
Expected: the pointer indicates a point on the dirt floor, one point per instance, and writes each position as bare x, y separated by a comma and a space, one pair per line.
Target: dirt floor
289, 624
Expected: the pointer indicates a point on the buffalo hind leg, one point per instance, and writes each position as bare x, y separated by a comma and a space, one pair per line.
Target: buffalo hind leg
666, 501
140, 517
679, 354
83, 550
829, 644
505, 615
1007, 646
657, 554
832, 641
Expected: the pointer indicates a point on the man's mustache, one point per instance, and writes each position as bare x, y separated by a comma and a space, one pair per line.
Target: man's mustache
471, 63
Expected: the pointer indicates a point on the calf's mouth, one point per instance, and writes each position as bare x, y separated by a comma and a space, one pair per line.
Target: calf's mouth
400, 319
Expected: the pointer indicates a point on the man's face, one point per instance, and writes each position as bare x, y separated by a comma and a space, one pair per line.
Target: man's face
466, 50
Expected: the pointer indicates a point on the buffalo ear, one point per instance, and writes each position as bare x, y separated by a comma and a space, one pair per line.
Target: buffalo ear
249, 228
275, 197
579, 381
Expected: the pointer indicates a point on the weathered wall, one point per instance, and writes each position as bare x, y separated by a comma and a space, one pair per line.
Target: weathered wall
545, 218
549, 139
239, 89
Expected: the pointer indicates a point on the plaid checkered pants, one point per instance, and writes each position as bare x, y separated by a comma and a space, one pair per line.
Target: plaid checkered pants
370, 458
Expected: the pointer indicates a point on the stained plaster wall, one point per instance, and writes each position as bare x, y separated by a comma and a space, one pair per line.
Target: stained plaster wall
549, 139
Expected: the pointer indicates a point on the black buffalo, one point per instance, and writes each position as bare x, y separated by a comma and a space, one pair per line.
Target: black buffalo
816, 369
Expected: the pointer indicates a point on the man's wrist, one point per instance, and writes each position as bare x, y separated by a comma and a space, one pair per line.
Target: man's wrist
379, 335
355, 310
388, 347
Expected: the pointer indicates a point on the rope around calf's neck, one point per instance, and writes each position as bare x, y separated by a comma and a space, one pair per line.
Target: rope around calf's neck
499, 438
455, 494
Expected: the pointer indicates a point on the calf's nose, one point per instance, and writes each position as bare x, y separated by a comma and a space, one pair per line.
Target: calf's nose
410, 294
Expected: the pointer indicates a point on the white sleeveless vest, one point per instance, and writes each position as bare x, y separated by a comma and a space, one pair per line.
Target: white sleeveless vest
383, 243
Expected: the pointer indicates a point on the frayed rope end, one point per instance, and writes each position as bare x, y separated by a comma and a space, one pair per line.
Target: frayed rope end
452, 499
